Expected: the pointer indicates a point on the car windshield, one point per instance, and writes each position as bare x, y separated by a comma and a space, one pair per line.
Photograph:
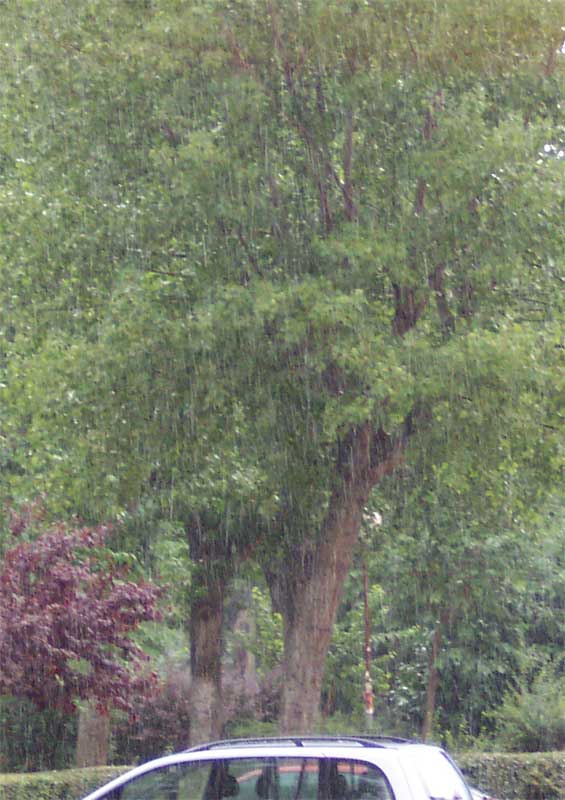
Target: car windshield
259, 779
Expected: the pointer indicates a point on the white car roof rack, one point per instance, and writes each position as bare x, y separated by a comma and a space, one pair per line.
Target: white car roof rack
302, 741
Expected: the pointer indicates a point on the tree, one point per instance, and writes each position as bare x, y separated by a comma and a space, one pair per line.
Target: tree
324, 228
66, 618
412, 232
462, 572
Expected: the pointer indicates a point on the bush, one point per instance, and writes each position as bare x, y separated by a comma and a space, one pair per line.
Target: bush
68, 784
67, 612
533, 719
32, 740
516, 776
249, 701
161, 723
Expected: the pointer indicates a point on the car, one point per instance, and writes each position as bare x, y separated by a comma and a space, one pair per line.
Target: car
295, 768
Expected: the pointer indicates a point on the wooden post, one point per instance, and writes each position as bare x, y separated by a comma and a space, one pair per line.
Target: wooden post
368, 696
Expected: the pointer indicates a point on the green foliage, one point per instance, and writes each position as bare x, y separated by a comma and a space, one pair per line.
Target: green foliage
532, 776
70, 784
251, 728
147, 147
501, 587
32, 740
533, 718
345, 665
265, 638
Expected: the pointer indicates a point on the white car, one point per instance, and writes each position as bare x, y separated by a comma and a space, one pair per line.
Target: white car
295, 768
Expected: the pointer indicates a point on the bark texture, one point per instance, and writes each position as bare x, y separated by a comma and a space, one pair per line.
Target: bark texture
206, 619
433, 676
310, 601
205, 630
93, 737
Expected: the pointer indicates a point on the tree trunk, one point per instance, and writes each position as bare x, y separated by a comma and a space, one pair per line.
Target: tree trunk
93, 737
213, 561
244, 660
308, 629
206, 619
433, 676
309, 602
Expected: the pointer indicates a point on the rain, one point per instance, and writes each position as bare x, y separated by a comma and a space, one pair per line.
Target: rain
282, 310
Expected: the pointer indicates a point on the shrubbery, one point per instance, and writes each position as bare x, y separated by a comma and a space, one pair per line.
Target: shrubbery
516, 776
533, 719
161, 723
32, 740
69, 784
67, 611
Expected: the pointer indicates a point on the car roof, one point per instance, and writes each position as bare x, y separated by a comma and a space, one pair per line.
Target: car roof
363, 740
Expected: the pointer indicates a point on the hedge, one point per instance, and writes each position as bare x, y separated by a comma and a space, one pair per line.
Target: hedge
65, 784
508, 776
516, 776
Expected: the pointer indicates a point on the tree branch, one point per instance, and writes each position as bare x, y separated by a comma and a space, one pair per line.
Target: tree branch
435, 281
350, 209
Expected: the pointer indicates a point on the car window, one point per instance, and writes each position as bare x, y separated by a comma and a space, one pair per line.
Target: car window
277, 778
175, 782
263, 778
309, 779
364, 782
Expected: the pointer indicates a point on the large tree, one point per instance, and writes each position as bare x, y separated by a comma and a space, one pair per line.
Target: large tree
407, 170
299, 232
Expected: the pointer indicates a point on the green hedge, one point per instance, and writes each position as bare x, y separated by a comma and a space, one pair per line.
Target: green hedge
65, 784
516, 776
508, 776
